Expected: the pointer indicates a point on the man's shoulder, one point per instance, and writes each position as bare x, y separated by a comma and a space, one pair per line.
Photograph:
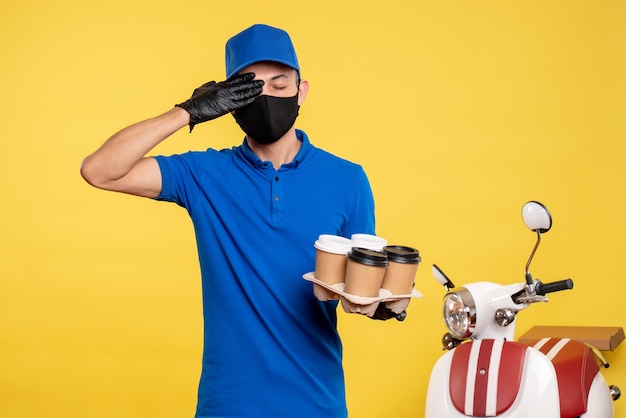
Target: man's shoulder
326, 157
201, 155
209, 160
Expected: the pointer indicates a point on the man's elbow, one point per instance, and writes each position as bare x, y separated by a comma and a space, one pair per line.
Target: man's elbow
90, 173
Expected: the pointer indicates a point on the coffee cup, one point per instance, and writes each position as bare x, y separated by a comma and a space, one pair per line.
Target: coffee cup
368, 241
331, 259
364, 272
400, 274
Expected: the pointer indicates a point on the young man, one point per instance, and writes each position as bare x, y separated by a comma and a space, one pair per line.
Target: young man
271, 349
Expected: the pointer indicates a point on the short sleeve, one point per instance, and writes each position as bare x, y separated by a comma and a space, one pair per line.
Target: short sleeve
361, 219
178, 183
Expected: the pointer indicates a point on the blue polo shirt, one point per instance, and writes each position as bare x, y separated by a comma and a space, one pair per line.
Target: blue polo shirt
271, 349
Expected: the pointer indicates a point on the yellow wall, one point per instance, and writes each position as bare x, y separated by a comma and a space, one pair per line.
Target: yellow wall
460, 111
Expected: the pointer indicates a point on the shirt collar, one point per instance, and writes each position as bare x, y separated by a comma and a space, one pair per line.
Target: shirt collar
255, 161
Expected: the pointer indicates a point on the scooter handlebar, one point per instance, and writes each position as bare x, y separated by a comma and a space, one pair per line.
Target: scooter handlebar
543, 288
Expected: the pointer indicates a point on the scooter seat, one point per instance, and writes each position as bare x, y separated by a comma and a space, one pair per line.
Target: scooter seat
575, 366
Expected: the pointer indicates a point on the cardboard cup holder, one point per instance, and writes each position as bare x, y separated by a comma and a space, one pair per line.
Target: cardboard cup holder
359, 304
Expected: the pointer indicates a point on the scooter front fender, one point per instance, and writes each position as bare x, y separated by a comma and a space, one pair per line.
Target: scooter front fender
538, 394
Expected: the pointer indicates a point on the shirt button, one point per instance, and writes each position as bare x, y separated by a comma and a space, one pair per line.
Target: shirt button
276, 198
276, 178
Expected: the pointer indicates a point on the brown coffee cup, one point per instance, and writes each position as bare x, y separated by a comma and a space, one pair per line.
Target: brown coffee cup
364, 272
331, 258
400, 274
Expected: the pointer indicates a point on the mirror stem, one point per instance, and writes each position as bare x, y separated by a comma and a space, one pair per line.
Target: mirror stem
529, 278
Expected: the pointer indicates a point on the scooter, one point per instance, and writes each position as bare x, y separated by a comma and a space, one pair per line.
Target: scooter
485, 373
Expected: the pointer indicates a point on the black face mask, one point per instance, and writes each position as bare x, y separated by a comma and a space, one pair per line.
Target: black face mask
268, 118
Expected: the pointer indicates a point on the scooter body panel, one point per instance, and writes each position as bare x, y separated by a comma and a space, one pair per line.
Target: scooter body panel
538, 394
600, 402
582, 387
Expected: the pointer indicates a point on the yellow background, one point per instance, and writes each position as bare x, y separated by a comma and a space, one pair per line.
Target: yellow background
460, 111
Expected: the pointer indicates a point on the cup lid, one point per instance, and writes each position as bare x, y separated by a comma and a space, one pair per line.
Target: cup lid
402, 254
333, 244
372, 242
368, 257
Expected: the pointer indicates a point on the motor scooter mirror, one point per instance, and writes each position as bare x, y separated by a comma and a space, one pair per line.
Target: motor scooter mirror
442, 278
536, 217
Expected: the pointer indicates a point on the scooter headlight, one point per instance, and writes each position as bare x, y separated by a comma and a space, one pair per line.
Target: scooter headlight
459, 313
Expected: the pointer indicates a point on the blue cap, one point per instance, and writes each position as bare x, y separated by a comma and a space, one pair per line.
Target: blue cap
259, 43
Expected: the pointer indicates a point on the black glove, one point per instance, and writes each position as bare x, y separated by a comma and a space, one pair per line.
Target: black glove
212, 100
383, 313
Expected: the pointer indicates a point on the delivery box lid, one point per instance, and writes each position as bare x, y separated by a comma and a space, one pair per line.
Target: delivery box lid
603, 338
